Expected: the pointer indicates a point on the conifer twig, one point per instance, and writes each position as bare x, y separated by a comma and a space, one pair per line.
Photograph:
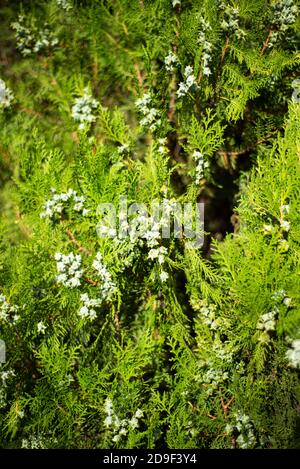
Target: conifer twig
31, 112
245, 150
225, 407
139, 75
76, 242
219, 70
91, 282
266, 43
225, 49
117, 321
172, 105
25, 230
193, 407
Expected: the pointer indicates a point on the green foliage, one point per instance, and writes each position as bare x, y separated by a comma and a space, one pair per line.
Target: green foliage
156, 343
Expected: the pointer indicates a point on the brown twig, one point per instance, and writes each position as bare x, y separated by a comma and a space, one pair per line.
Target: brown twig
172, 105
76, 242
225, 407
219, 71
139, 75
25, 230
235, 221
225, 49
226, 163
117, 321
173, 84
91, 282
266, 43
245, 150
32, 112
193, 407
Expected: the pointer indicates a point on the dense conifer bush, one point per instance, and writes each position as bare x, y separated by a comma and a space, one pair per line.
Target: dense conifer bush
149, 341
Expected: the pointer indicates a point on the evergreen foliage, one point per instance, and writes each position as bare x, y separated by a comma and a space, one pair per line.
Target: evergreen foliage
149, 342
